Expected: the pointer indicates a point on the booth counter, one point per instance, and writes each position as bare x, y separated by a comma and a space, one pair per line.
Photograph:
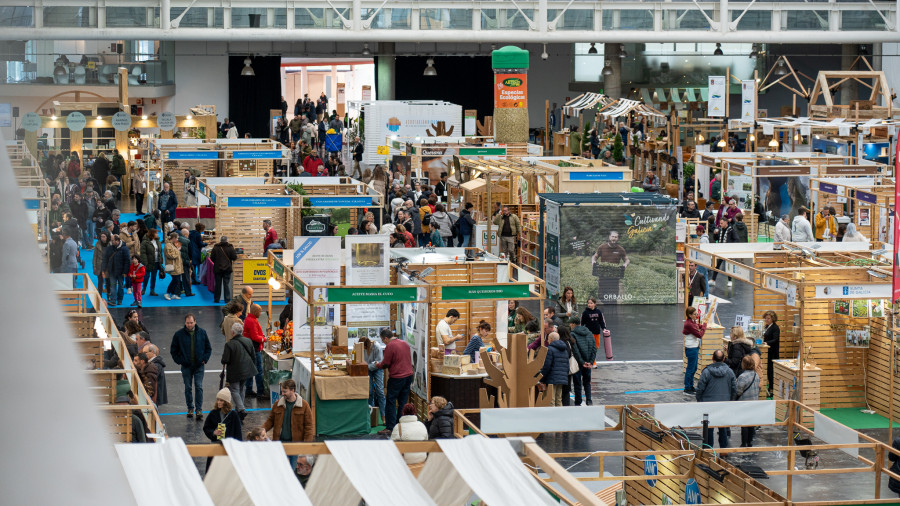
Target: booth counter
341, 402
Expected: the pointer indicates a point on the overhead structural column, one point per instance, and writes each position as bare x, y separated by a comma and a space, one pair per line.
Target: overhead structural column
386, 71
612, 84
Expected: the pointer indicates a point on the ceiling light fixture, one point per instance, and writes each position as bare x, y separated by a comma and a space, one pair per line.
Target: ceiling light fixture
144, 117
366, 51
773, 143
189, 117
53, 118
247, 70
607, 69
780, 68
622, 53
754, 51
429, 68
99, 118
544, 55
718, 51
592, 50
721, 143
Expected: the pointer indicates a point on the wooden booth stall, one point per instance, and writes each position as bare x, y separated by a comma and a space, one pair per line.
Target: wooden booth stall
33, 187
861, 196
832, 310
335, 197
580, 175
96, 335
663, 460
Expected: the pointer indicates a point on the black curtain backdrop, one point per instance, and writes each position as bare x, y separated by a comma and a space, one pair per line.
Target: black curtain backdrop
251, 97
460, 79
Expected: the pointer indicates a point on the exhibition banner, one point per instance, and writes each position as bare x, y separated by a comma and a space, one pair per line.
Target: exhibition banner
596, 176
870, 198
482, 151
619, 254
340, 201
414, 330
467, 292
317, 261
551, 251
263, 202
718, 95
192, 155
254, 270
366, 263
267, 154
880, 291
748, 100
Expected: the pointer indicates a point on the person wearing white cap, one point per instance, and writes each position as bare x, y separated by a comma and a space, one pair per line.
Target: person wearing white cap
223, 421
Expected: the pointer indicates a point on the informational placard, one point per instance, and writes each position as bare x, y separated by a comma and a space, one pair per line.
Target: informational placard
254, 271
367, 265
260, 202
551, 253
341, 201
317, 261
191, 155
596, 176
700, 258
472, 292
511, 91
737, 270
748, 100
877, 291
263, 154
121, 121
470, 119
166, 121
718, 95
76, 121
414, 330
31, 122
742, 321
692, 492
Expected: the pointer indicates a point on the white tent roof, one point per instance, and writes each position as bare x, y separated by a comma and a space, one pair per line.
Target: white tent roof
253, 473
162, 473
585, 101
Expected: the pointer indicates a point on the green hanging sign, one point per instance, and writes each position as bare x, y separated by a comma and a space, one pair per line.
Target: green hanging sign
466, 292
482, 151
376, 294
279, 268
298, 287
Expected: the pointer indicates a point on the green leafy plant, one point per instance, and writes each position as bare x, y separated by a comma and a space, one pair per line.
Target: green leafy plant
307, 205
688, 169
618, 150
199, 133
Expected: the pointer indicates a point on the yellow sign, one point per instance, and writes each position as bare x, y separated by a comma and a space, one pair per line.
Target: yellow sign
383, 150
255, 271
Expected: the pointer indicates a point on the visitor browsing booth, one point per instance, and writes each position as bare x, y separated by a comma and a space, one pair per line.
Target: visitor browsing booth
861, 196
95, 333
662, 459
830, 299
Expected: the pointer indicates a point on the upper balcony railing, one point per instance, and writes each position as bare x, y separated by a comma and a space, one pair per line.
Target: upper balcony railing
811, 21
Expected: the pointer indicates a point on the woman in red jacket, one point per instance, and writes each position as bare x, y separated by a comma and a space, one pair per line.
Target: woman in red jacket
136, 274
693, 333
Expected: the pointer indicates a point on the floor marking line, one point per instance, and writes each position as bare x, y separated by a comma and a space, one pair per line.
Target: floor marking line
609, 362
208, 371
651, 391
206, 412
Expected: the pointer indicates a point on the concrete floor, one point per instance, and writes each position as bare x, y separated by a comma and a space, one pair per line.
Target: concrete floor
647, 347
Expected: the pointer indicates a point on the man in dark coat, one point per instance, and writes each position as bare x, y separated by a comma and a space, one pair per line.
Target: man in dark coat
151, 257
100, 170
166, 203
584, 350
118, 170
239, 360
116, 262
191, 350
197, 245
223, 255
555, 373
717, 384
465, 226
162, 393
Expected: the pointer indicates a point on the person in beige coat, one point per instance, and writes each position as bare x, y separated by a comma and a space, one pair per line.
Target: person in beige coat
173, 266
139, 185
233, 310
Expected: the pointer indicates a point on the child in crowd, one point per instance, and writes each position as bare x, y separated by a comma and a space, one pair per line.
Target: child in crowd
136, 274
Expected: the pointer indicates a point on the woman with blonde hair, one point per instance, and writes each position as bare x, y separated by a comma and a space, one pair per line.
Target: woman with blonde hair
440, 418
222, 422
738, 348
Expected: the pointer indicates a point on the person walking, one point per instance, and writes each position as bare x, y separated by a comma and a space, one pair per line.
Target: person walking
223, 421
566, 304
139, 185
239, 359
186, 269
826, 226
555, 372
116, 262
97, 261
152, 258
174, 266
747, 385
585, 352
801, 230
772, 338
191, 349
290, 419
253, 331
782, 231
136, 275
100, 171
223, 256
374, 354
166, 203
592, 318
509, 228
465, 226
693, 332
118, 170
717, 384
162, 392
232, 316
444, 223
398, 361
196, 247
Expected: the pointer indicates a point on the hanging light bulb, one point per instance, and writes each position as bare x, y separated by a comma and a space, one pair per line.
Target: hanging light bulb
189, 117
721, 143
53, 117
544, 55
752, 138
366, 51
274, 284
607, 69
429, 68
773, 143
622, 53
780, 68
699, 137
144, 117
247, 70
718, 51
796, 137
99, 118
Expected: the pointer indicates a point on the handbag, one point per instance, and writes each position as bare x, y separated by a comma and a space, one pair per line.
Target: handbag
573, 365
169, 268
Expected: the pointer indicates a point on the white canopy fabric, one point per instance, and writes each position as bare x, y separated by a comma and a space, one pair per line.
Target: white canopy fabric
163, 473
624, 106
375, 471
490, 468
254, 473
586, 101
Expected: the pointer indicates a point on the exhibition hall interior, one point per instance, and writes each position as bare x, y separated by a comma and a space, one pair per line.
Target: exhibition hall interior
450, 253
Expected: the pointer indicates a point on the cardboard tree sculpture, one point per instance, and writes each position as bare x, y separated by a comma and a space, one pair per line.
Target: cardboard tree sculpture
516, 382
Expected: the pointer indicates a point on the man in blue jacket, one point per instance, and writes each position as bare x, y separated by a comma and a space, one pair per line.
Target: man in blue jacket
555, 372
116, 262
191, 350
717, 384
465, 226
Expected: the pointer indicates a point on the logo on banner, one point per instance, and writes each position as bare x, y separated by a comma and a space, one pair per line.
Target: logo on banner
643, 224
692, 492
315, 227
650, 469
393, 124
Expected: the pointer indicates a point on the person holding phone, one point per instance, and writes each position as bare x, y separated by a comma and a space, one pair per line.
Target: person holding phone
445, 334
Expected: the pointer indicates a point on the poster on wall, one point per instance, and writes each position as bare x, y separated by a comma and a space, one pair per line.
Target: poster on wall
857, 338
864, 219
414, 330
317, 261
748, 100
619, 254
366, 261
551, 255
399, 163
718, 94
435, 161
783, 194
742, 188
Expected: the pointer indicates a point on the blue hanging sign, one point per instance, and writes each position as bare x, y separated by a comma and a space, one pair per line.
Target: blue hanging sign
597, 176
212, 197
192, 155
268, 154
340, 201
650, 469
828, 188
871, 198
692, 492
264, 202
201, 186
32, 204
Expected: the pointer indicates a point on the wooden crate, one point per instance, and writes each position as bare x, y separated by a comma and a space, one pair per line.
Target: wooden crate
786, 371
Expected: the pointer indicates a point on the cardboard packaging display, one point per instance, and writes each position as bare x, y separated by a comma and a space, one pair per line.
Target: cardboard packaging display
339, 335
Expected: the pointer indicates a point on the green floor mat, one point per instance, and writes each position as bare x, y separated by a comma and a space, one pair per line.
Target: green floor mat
856, 419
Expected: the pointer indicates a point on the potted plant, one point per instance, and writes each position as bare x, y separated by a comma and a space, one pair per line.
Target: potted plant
618, 150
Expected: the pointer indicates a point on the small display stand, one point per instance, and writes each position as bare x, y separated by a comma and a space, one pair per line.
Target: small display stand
786, 381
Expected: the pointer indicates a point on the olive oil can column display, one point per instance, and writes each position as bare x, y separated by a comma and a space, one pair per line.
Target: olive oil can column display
510, 66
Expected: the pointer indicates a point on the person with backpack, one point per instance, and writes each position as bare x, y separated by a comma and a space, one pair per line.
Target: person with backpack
584, 350
425, 220
445, 223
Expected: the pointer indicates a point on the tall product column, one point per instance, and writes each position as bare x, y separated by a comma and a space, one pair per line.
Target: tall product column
510, 66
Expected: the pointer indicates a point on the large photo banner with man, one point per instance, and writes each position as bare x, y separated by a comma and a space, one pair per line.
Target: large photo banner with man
619, 254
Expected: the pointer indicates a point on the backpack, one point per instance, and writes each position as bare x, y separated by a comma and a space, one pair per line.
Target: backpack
426, 220
454, 228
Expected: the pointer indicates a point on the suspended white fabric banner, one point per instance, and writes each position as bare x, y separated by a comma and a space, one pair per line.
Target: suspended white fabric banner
492, 470
163, 473
721, 414
253, 473
375, 471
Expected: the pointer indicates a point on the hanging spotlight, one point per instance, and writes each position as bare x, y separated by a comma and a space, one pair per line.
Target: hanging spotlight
247, 70
144, 117
429, 68
274, 283
366, 51
592, 50
721, 143
754, 51
699, 137
796, 137
544, 55
99, 118
718, 51
752, 138
622, 53
53, 118
607, 69
773, 143
189, 117
780, 68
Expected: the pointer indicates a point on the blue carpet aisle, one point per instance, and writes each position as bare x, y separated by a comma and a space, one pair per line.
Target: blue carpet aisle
202, 295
